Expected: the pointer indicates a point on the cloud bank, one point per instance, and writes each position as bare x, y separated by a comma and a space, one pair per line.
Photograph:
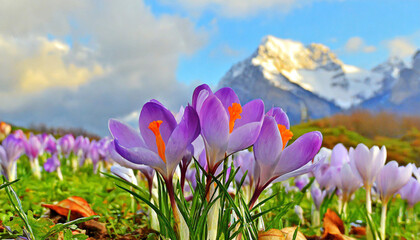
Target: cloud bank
78, 63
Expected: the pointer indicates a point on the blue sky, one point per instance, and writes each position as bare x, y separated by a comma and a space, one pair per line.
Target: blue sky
332, 23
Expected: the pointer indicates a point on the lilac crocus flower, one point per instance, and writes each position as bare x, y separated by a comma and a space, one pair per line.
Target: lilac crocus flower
66, 144
318, 196
347, 181
246, 161
10, 150
411, 192
81, 147
93, 154
390, 179
226, 125
125, 173
275, 160
301, 181
33, 147
367, 163
49, 143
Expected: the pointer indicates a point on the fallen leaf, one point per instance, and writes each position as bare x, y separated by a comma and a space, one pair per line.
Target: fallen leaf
360, 231
283, 234
78, 206
333, 227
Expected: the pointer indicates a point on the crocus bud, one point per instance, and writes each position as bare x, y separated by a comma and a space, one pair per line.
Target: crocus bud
318, 196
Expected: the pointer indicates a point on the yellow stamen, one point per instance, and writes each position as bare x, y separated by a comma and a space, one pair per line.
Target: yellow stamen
234, 113
285, 133
154, 126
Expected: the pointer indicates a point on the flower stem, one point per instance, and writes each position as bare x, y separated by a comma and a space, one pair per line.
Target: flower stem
369, 234
383, 220
171, 192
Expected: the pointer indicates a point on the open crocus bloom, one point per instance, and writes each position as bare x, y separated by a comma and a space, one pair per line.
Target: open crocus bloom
367, 163
277, 161
392, 178
162, 141
226, 125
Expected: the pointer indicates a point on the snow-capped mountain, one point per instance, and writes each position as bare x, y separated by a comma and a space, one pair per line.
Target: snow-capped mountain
307, 81
403, 94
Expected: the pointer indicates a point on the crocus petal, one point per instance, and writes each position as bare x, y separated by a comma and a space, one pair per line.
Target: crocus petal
280, 116
227, 97
305, 169
182, 136
214, 128
196, 102
150, 112
141, 155
116, 157
243, 137
4, 161
253, 111
126, 135
299, 153
268, 146
339, 155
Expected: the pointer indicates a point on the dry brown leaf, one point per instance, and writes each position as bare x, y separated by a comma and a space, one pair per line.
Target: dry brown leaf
283, 234
77, 205
359, 231
333, 227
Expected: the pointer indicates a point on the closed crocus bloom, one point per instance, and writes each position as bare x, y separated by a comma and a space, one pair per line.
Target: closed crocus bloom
81, 145
275, 160
10, 150
411, 192
391, 178
226, 125
33, 147
124, 173
50, 144
66, 144
367, 162
318, 196
347, 181
301, 181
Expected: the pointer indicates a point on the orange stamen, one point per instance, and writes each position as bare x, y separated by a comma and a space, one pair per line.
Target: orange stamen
234, 113
154, 126
285, 133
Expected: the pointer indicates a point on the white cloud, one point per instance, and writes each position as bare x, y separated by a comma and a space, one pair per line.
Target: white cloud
130, 56
357, 45
238, 8
400, 47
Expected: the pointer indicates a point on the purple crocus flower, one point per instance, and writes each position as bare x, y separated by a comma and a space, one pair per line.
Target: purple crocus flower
50, 144
66, 144
161, 144
411, 192
33, 147
275, 160
81, 148
93, 154
52, 163
226, 125
10, 150
124, 173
